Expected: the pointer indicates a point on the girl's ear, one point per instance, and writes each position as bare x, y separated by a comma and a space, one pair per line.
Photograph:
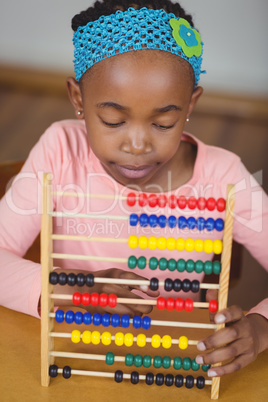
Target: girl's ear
195, 96
75, 96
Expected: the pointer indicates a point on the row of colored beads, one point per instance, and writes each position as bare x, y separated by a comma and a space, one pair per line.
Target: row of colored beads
180, 304
199, 245
162, 221
95, 299
71, 279
120, 339
180, 265
177, 285
182, 202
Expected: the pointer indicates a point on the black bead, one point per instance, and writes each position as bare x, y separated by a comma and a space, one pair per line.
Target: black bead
159, 379
149, 378
186, 285
66, 372
134, 377
189, 381
53, 278
62, 278
71, 279
154, 284
195, 286
90, 280
177, 285
118, 376
53, 370
200, 382
80, 279
168, 285
179, 381
169, 380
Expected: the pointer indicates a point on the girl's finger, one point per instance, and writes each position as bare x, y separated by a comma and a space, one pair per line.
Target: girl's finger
238, 363
230, 314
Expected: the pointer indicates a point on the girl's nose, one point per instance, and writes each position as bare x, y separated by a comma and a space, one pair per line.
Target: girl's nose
137, 143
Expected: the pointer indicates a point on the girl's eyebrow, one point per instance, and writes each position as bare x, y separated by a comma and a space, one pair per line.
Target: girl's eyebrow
165, 109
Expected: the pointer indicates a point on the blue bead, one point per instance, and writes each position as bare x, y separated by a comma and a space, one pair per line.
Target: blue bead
219, 224
133, 219
69, 317
125, 321
191, 221
96, 319
59, 316
162, 221
146, 322
144, 219
153, 221
172, 221
137, 321
182, 222
200, 223
106, 320
115, 320
87, 318
210, 224
78, 317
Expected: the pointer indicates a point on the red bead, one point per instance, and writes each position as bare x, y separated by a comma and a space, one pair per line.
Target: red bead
152, 200
95, 299
188, 305
221, 204
85, 299
211, 204
112, 300
131, 199
76, 298
182, 202
192, 201
172, 201
142, 200
213, 306
201, 203
161, 303
103, 299
179, 304
162, 200
170, 304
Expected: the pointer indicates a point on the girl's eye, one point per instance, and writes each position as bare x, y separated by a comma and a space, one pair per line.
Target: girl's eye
112, 124
164, 127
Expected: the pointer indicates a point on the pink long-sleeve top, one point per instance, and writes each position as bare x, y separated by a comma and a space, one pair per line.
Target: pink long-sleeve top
63, 151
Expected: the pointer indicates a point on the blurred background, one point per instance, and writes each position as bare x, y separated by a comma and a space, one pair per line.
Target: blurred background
36, 55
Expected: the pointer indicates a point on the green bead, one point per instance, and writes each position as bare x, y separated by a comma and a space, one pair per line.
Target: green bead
166, 362
132, 262
181, 265
153, 262
186, 363
205, 367
147, 361
109, 358
138, 360
189, 266
129, 358
208, 267
199, 266
141, 262
177, 363
157, 361
216, 267
172, 264
163, 264
195, 366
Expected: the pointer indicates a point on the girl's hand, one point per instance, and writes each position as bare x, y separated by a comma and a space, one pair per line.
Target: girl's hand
243, 338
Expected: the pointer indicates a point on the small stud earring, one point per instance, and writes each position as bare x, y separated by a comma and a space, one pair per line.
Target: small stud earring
187, 120
79, 112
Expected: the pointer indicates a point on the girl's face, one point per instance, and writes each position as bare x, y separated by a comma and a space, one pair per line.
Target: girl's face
135, 107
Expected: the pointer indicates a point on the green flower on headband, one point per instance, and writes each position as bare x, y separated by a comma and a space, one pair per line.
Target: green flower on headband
186, 37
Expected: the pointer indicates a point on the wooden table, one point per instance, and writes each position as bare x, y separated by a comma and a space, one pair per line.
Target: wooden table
20, 372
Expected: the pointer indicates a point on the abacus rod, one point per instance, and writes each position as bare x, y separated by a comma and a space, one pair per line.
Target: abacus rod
77, 257
86, 238
88, 195
90, 216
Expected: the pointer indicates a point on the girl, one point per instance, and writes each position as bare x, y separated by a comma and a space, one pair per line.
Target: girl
137, 72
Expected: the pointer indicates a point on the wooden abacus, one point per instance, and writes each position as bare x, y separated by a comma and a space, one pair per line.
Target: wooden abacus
50, 278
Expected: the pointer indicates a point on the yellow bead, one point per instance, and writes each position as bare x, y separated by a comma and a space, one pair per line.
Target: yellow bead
183, 342
152, 243
143, 242
119, 339
208, 246
156, 341
217, 246
95, 337
86, 337
141, 340
106, 338
161, 243
189, 245
171, 243
199, 245
128, 340
166, 341
75, 336
132, 241
180, 244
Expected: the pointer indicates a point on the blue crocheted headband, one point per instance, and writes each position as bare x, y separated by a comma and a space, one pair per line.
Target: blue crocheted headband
131, 30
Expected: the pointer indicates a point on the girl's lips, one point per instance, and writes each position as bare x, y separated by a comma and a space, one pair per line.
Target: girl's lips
134, 172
